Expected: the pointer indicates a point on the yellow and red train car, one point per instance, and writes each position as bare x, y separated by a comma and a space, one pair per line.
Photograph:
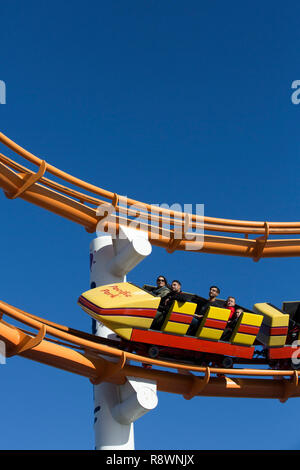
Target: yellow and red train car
129, 311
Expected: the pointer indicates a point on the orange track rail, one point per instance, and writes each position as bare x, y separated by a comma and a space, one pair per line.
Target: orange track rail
79, 352
82, 353
19, 181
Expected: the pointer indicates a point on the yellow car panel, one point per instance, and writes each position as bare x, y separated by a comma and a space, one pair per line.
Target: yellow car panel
213, 323
179, 317
210, 333
246, 329
121, 295
274, 326
121, 307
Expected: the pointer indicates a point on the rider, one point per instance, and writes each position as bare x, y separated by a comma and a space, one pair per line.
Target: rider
165, 304
202, 308
162, 288
235, 313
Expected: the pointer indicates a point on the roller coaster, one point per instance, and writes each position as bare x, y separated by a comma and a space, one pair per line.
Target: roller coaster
90, 356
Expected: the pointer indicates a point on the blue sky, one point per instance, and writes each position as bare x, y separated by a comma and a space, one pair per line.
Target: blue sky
166, 102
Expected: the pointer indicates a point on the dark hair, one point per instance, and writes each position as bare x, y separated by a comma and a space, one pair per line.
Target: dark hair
216, 287
178, 282
166, 282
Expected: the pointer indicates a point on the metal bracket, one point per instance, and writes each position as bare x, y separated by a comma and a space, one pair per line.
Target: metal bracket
260, 243
109, 369
115, 200
30, 180
198, 384
289, 386
29, 342
175, 242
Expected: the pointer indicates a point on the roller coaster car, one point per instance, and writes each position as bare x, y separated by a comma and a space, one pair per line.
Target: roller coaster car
279, 330
129, 311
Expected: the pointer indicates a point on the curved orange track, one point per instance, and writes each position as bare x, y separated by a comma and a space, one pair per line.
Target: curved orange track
79, 352
81, 207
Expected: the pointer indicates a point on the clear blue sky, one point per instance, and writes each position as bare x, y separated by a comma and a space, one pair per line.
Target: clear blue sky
166, 102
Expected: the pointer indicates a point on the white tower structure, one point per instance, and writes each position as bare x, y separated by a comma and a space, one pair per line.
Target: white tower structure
117, 407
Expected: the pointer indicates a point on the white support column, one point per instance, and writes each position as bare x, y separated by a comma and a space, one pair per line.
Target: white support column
117, 407
138, 396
